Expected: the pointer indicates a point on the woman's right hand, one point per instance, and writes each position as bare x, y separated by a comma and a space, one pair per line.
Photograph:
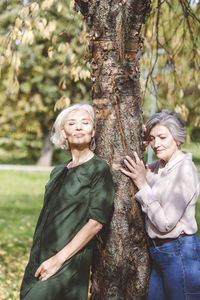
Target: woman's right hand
49, 267
137, 170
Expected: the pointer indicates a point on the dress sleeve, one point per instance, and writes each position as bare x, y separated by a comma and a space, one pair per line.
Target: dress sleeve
101, 197
167, 199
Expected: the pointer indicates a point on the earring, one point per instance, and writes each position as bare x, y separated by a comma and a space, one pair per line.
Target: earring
64, 139
66, 144
92, 144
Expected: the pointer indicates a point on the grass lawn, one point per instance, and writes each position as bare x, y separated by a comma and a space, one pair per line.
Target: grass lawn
21, 197
194, 148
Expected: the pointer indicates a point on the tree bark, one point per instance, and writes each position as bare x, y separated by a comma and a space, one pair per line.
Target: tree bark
46, 155
121, 261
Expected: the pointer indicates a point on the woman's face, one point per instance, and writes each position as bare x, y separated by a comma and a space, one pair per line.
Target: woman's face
78, 128
163, 143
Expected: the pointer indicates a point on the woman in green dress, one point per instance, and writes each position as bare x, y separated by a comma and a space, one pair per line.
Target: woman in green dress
78, 201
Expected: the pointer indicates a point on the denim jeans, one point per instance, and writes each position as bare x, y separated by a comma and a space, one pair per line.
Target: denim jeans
176, 270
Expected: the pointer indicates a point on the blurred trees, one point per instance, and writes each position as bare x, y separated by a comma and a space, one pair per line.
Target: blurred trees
42, 60
171, 60
42, 67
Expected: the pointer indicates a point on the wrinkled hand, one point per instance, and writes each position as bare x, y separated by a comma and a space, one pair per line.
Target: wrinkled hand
137, 170
48, 268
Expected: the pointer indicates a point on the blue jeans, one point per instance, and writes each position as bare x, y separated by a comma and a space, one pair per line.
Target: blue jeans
176, 270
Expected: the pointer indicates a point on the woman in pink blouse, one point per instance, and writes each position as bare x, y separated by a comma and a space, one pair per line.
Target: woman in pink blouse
168, 190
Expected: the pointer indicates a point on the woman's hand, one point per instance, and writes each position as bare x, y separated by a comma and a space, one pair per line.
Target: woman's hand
137, 171
48, 268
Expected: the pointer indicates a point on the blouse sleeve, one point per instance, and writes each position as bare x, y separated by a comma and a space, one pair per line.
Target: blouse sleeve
167, 199
101, 197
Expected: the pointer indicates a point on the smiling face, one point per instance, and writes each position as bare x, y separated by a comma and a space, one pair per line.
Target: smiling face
163, 143
78, 128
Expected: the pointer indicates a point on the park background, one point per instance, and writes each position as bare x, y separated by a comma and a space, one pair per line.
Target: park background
44, 68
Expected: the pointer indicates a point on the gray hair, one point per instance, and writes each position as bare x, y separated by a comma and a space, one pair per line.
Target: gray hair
172, 121
57, 137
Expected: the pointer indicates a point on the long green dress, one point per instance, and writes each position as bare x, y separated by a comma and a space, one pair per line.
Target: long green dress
72, 197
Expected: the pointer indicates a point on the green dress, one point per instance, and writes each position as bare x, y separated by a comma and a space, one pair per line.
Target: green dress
72, 197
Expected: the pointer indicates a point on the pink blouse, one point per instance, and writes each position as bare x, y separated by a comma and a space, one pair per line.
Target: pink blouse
169, 198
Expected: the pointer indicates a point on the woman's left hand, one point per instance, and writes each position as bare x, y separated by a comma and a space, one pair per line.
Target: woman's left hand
48, 268
137, 170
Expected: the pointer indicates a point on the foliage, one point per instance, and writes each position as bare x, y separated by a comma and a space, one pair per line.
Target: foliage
43, 68
170, 61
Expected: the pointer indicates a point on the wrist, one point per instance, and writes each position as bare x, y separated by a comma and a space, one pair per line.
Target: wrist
61, 258
142, 186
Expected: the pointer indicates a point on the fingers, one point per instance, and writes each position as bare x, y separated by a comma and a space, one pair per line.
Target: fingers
44, 277
129, 161
139, 162
133, 167
136, 170
48, 268
42, 272
146, 136
37, 273
137, 159
144, 127
130, 165
126, 172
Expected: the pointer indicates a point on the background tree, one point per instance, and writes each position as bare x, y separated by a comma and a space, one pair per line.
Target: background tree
45, 70
170, 27
170, 61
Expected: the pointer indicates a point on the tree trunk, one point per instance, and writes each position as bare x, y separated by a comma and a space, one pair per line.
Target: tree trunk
46, 155
121, 261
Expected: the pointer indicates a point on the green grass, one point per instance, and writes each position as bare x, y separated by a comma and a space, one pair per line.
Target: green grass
23, 157
21, 198
194, 148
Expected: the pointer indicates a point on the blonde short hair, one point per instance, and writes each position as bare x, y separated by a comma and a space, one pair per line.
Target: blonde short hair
57, 137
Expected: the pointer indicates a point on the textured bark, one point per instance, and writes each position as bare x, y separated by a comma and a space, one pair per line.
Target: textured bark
121, 262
